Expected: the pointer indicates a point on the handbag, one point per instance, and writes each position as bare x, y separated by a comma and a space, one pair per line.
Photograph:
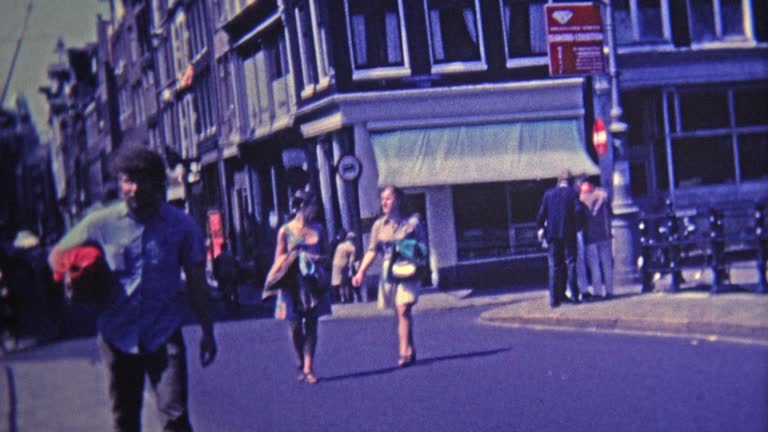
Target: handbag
409, 260
282, 277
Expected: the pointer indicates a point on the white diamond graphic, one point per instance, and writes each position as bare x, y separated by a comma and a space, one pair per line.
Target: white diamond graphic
563, 15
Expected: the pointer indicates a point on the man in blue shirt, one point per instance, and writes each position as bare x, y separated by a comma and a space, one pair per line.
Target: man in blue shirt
146, 243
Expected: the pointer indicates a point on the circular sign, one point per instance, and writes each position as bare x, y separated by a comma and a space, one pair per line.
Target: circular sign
349, 168
599, 137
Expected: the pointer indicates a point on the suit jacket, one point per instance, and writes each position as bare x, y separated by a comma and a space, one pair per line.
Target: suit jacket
561, 213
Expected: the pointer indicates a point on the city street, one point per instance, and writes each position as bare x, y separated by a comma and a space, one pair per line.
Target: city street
470, 376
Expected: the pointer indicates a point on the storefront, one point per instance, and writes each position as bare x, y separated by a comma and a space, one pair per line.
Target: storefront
474, 160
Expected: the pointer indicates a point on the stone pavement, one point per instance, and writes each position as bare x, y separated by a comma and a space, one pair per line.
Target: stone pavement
737, 315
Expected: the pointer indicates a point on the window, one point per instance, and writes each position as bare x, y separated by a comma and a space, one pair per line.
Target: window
377, 38
205, 123
165, 63
525, 34
125, 105
180, 41
639, 21
198, 30
715, 19
159, 9
169, 128
497, 219
455, 35
186, 126
227, 109
306, 45
251, 93
322, 49
717, 135
138, 103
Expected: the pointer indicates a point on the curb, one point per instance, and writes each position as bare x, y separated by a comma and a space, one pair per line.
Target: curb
672, 327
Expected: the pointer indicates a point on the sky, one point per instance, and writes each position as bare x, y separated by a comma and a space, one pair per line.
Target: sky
73, 20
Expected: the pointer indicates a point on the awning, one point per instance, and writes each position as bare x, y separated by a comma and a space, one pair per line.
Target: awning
480, 153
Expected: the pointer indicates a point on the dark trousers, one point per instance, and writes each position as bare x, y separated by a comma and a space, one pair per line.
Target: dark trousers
562, 270
167, 372
230, 290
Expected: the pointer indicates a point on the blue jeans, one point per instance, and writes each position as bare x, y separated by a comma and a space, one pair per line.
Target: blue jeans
166, 369
562, 270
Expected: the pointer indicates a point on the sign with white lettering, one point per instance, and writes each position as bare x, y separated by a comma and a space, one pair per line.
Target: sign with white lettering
574, 38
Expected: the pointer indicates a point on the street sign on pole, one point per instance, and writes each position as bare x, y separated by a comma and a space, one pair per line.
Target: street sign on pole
574, 38
599, 137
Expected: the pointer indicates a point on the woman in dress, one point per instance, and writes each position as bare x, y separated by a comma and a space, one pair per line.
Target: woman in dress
393, 226
302, 299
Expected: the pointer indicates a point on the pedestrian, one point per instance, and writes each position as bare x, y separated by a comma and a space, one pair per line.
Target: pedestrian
303, 296
400, 294
582, 276
146, 243
343, 267
559, 219
598, 238
226, 269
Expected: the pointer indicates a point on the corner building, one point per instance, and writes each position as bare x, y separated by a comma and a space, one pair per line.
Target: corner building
453, 101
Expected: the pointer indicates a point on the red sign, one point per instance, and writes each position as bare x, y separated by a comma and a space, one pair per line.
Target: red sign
574, 38
599, 137
216, 231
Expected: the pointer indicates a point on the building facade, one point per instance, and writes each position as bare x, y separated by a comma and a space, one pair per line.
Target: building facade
454, 102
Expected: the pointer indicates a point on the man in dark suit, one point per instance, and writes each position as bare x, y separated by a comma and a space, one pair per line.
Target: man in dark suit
560, 217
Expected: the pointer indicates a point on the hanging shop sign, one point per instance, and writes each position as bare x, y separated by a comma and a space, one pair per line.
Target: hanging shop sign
574, 38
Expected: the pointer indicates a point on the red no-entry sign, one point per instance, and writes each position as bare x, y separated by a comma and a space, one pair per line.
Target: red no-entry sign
574, 38
599, 137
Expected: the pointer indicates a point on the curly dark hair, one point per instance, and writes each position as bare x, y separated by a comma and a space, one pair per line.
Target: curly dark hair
139, 162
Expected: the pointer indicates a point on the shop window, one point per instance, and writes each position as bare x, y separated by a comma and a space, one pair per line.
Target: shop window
496, 220
525, 34
703, 161
481, 221
639, 21
455, 35
377, 38
717, 135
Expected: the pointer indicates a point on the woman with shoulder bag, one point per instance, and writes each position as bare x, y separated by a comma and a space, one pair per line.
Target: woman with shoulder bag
400, 282
300, 280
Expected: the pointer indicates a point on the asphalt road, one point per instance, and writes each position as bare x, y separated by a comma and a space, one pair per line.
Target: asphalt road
469, 377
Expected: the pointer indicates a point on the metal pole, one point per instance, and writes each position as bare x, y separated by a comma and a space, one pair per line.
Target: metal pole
15, 54
626, 240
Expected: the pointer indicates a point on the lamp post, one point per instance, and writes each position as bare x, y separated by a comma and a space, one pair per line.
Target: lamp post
625, 210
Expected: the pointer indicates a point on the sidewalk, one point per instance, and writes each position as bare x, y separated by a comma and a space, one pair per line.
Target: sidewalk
737, 313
